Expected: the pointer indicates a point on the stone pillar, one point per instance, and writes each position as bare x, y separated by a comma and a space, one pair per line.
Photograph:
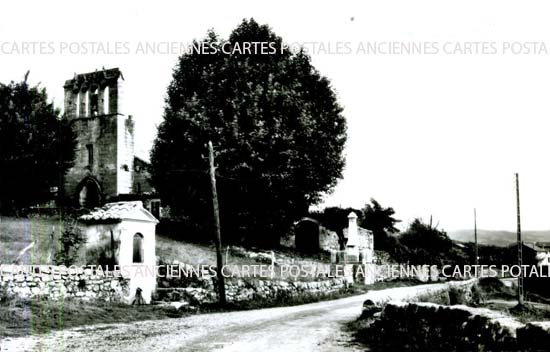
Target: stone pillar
353, 236
71, 103
352, 245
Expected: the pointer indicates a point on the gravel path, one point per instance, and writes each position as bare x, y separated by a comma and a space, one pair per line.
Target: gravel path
311, 327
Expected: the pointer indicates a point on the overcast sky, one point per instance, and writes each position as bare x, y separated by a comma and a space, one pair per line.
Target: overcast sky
437, 132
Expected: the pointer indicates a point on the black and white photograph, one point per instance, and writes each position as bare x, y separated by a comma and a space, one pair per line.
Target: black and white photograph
274, 176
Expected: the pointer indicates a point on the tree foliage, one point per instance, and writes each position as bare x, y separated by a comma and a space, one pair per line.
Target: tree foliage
336, 219
277, 129
381, 222
36, 146
71, 240
426, 244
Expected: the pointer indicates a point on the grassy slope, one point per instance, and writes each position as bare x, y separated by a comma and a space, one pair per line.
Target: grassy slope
20, 317
18, 233
40, 316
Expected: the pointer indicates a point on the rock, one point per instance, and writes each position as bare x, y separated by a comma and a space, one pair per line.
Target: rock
178, 305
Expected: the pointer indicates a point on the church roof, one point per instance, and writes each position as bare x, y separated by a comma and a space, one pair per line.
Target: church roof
119, 211
100, 77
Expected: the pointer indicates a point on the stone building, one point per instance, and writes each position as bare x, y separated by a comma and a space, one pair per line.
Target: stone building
357, 257
307, 235
106, 168
123, 234
311, 236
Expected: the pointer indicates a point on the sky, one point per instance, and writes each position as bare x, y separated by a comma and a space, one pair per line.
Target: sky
436, 131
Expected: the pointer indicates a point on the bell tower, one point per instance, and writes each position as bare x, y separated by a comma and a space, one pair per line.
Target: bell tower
105, 137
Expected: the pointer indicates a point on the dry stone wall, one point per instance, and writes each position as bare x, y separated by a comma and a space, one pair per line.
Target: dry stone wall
245, 290
428, 326
57, 282
431, 327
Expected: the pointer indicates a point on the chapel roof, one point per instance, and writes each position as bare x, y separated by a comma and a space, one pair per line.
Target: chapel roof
119, 211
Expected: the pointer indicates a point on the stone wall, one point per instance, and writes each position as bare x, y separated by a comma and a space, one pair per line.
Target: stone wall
125, 154
141, 177
433, 327
244, 290
59, 282
404, 318
101, 133
418, 293
428, 326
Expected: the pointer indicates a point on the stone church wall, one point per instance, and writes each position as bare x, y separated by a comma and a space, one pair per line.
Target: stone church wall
125, 154
105, 132
141, 181
101, 133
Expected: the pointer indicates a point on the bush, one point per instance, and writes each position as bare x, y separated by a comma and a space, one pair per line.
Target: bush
440, 297
478, 297
4, 296
493, 287
71, 241
457, 296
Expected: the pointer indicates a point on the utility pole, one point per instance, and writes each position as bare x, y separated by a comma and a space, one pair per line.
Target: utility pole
218, 239
475, 238
520, 246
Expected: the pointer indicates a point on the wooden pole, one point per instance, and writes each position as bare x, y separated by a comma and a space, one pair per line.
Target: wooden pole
475, 238
520, 245
218, 240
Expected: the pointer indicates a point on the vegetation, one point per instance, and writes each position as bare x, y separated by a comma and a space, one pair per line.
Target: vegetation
18, 233
336, 219
381, 222
71, 240
277, 129
426, 244
373, 217
36, 146
48, 235
20, 317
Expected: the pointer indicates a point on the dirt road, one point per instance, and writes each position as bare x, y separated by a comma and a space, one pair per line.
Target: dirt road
311, 327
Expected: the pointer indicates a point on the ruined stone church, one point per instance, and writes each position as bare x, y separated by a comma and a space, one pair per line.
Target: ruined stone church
106, 167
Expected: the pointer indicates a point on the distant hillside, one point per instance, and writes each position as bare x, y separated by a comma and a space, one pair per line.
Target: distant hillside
499, 238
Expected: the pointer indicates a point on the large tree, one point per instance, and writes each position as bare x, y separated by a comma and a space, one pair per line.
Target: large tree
381, 222
276, 126
426, 244
36, 146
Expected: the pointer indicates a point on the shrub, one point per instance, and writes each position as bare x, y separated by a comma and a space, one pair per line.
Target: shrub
455, 296
4, 296
71, 241
478, 297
